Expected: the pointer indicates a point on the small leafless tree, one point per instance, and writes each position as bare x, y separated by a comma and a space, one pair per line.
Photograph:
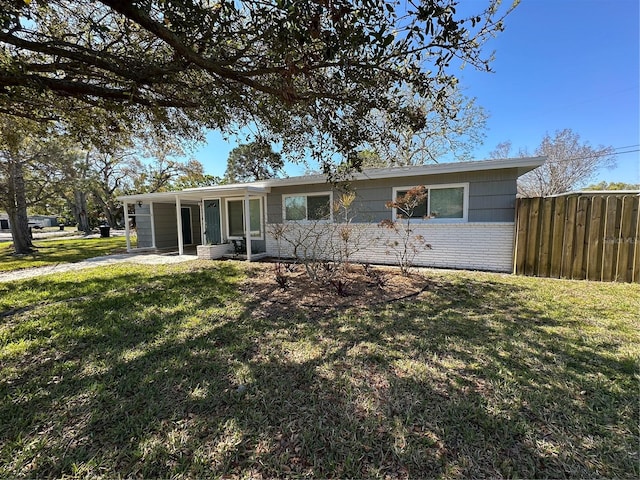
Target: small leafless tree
571, 164
406, 244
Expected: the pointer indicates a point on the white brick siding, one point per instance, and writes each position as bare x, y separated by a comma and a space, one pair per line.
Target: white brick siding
473, 246
212, 252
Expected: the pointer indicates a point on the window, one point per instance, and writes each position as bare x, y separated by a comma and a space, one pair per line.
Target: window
445, 203
235, 216
307, 207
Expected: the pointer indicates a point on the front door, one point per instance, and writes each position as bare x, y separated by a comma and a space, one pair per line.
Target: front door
212, 235
186, 226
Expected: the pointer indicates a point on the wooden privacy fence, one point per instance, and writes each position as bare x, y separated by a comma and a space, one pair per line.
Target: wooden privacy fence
594, 237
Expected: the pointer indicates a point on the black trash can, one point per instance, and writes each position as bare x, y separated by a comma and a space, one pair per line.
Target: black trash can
61, 227
104, 230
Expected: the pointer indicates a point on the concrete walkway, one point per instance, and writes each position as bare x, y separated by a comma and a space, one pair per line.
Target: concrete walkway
140, 258
5, 236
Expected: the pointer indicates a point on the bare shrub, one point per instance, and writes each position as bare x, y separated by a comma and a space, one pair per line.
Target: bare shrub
409, 244
325, 248
379, 278
281, 277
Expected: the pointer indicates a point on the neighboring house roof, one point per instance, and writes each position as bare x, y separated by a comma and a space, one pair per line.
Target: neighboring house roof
523, 165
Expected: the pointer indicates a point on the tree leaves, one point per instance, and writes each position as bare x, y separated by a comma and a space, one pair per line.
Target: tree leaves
251, 162
298, 70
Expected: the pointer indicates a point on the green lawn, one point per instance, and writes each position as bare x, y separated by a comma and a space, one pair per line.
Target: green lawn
50, 252
169, 371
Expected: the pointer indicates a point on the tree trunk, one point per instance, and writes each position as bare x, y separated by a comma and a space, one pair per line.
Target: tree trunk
111, 213
109, 210
79, 208
17, 210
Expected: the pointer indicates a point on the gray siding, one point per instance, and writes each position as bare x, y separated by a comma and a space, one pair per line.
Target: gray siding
195, 223
492, 195
164, 215
493, 199
165, 224
143, 227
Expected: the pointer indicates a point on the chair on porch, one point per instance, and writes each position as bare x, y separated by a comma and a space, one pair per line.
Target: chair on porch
240, 246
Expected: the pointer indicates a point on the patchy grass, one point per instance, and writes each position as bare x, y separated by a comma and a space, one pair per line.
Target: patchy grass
50, 252
166, 371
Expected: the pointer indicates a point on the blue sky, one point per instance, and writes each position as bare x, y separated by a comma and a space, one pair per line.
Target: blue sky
558, 64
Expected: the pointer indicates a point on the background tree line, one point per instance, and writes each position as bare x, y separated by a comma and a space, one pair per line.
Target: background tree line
44, 171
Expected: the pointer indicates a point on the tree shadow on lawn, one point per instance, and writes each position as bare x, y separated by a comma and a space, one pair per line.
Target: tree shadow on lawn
181, 379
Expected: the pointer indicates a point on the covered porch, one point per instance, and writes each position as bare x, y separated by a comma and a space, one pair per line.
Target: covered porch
219, 221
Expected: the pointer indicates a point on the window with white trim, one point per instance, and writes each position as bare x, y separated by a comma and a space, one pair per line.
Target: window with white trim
307, 207
444, 203
235, 218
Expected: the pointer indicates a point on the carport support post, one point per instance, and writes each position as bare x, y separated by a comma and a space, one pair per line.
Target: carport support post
127, 231
247, 225
179, 223
153, 226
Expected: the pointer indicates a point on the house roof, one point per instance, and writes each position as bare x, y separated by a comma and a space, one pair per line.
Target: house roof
523, 165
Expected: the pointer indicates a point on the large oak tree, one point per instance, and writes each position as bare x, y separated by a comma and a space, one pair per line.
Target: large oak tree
30, 160
308, 73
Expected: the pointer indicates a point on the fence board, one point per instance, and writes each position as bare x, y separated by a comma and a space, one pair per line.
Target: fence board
544, 256
557, 237
532, 239
568, 242
587, 236
610, 236
522, 222
634, 242
578, 270
594, 236
623, 273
